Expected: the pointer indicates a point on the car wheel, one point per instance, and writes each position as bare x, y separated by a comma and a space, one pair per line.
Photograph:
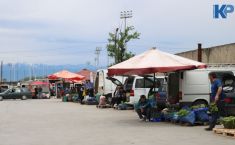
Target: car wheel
1, 98
200, 102
24, 98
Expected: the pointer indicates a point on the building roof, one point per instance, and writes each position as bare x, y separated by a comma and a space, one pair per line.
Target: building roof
212, 47
86, 73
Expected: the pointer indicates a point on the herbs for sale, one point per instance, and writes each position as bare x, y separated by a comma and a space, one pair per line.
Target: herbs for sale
229, 122
198, 106
183, 112
213, 108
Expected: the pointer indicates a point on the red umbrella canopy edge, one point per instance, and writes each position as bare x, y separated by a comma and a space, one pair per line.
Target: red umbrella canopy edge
153, 61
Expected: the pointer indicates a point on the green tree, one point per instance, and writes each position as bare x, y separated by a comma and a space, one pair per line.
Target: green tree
117, 43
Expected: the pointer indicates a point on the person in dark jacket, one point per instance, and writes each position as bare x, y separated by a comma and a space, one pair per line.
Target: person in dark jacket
35, 93
217, 97
143, 108
119, 96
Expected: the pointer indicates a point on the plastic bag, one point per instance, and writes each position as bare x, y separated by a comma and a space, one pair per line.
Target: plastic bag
168, 116
201, 114
175, 117
122, 106
190, 118
91, 101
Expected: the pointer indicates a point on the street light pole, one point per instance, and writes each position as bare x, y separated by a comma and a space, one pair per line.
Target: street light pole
97, 52
125, 15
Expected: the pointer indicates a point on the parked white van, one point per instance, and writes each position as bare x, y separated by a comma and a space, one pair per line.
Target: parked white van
192, 87
135, 86
103, 85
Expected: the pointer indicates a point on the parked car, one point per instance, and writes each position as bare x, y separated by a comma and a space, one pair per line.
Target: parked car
135, 86
4, 87
16, 93
193, 87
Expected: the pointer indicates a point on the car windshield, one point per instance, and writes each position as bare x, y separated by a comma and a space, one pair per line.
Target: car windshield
7, 91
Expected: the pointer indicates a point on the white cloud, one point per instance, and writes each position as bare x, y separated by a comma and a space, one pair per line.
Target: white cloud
71, 29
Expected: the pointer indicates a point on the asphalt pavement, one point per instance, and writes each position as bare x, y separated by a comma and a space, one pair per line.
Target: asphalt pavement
52, 122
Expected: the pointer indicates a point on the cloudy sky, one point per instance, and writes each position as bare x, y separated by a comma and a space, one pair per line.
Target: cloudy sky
68, 31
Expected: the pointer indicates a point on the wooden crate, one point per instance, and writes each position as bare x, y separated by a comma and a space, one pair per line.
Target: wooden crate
225, 132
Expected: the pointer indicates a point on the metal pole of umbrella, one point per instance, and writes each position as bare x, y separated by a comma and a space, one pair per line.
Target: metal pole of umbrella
154, 83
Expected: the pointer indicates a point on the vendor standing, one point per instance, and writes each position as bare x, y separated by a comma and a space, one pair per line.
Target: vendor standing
90, 88
217, 97
36, 92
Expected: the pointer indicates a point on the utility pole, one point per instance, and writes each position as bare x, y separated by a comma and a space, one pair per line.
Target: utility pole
31, 71
10, 71
97, 53
24, 75
34, 71
116, 48
17, 71
14, 72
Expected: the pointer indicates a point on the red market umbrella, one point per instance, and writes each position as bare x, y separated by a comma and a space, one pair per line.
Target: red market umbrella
153, 61
64, 74
39, 83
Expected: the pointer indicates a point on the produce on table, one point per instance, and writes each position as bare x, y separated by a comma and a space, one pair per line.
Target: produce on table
183, 112
213, 108
229, 122
198, 106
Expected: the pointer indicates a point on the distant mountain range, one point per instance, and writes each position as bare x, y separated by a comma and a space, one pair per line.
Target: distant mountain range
20, 71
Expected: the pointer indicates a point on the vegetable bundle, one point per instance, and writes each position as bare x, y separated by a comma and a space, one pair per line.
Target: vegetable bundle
229, 122
213, 108
183, 112
198, 106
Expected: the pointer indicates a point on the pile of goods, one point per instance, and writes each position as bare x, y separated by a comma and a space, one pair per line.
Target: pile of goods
183, 113
156, 116
201, 113
90, 101
228, 122
188, 115
168, 114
